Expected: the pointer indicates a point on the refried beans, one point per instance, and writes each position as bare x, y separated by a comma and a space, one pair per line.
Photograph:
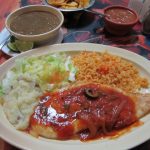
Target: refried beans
35, 22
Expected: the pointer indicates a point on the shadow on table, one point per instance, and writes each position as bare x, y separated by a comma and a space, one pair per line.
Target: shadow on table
144, 146
77, 19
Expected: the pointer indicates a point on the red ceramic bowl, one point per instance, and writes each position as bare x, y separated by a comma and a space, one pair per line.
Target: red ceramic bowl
119, 20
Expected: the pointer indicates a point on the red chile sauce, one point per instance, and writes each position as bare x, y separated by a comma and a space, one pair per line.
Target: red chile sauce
120, 15
103, 115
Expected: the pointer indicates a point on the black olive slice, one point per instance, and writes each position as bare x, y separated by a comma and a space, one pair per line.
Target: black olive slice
90, 93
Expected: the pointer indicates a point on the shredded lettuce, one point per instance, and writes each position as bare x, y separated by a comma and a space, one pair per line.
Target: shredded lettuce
46, 70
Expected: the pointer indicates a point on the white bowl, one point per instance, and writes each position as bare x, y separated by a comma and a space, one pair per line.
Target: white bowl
38, 37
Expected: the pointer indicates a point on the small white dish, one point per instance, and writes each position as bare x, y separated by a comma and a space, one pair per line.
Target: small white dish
56, 40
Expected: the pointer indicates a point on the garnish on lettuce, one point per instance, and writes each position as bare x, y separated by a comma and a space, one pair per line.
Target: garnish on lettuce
70, 67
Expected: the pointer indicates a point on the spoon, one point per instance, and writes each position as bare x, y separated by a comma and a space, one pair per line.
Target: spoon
94, 12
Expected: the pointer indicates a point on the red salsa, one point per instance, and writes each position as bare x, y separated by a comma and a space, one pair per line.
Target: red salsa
101, 110
120, 15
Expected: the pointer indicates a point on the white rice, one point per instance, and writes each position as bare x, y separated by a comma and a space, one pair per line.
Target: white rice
20, 98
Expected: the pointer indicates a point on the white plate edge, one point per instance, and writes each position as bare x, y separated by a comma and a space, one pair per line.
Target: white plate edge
122, 52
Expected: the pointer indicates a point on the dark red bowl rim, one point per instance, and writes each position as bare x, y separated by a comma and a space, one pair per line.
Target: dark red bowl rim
119, 6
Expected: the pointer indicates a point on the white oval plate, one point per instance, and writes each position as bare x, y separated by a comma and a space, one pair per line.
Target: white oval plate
133, 138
